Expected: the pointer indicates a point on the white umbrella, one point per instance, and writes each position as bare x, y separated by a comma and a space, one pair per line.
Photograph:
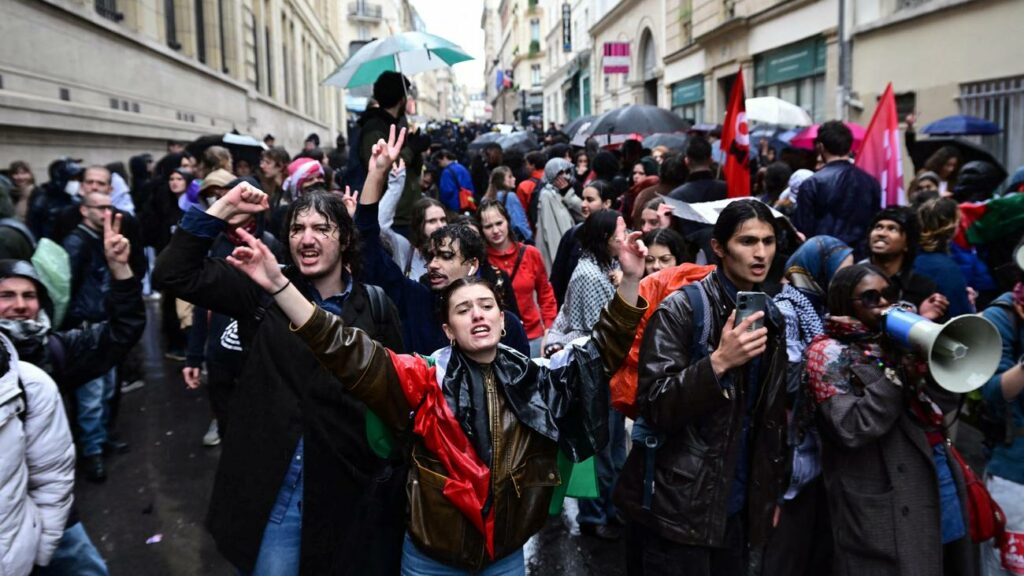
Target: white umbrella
705, 212
772, 110
408, 53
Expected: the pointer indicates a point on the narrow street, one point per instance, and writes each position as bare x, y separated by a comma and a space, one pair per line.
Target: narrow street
159, 490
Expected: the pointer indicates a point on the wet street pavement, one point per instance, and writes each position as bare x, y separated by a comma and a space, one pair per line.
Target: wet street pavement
158, 491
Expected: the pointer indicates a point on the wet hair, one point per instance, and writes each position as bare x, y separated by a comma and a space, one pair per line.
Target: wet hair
835, 137
449, 291
277, 155
595, 232
496, 182
605, 190
673, 171
537, 159
939, 219
331, 207
698, 150
419, 218
471, 244
845, 281
738, 212
670, 239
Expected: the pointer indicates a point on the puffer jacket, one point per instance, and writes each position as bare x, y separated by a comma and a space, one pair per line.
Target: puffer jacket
839, 200
701, 418
37, 467
532, 411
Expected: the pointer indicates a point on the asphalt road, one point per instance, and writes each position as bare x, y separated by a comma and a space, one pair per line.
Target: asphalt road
159, 490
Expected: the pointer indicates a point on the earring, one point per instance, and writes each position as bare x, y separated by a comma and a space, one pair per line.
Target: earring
451, 343
503, 333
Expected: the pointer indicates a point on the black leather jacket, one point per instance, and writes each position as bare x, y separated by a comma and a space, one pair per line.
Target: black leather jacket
701, 419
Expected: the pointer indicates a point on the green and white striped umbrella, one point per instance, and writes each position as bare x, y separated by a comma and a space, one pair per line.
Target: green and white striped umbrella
408, 53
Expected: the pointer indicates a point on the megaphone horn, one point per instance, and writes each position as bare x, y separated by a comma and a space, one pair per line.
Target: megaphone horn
962, 354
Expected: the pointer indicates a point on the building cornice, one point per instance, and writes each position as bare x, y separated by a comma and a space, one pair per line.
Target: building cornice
925, 9
611, 16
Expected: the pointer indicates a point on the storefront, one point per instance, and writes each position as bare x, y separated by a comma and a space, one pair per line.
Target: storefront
688, 99
796, 74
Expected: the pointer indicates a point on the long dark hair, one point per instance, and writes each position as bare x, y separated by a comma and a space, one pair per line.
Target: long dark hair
419, 217
840, 291
595, 232
738, 212
333, 209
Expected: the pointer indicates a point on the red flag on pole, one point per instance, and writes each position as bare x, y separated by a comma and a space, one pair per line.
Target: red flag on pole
736, 142
880, 154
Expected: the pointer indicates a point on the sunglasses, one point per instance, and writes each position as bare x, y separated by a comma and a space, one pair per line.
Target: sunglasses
873, 298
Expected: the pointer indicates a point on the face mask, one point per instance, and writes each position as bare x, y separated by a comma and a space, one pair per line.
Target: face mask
71, 188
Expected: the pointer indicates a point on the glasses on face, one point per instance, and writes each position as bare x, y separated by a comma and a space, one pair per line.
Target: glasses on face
873, 298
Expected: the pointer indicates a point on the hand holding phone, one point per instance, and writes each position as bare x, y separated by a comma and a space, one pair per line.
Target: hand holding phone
749, 303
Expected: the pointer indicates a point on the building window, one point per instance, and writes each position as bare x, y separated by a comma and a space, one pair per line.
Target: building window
222, 25
64, 94
171, 25
535, 78
200, 32
688, 99
1002, 102
362, 32
535, 30
108, 9
270, 61
906, 103
796, 74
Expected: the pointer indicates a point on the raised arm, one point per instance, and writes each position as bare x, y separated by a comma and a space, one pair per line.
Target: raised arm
362, 365
96, 348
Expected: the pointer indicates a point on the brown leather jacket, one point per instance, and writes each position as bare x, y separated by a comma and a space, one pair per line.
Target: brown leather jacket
524, 469
701, 419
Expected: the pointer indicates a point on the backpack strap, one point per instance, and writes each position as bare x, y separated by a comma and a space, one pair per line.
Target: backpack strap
647, 436
378, 307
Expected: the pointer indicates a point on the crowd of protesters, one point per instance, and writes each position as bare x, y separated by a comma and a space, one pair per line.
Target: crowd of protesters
410, 342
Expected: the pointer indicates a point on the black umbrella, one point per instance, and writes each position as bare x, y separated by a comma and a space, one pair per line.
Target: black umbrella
522, 142
241, 147
483, 140
922, 149
670, 141
638, 119
571, 128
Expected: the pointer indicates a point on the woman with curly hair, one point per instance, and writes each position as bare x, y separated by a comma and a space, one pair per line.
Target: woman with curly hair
939, 219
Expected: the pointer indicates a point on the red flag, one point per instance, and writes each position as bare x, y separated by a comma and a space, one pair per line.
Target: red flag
879, 155
736, 142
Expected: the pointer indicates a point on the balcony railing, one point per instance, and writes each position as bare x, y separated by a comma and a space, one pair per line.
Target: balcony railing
365, 10
108, 9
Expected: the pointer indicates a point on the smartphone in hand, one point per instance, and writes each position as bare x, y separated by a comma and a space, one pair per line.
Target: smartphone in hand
747, 303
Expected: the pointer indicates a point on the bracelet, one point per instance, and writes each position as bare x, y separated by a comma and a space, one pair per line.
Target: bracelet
287, 284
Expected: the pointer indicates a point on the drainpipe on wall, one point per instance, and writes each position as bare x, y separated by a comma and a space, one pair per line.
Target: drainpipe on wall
843, 90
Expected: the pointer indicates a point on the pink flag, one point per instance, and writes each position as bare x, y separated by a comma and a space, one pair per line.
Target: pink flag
880, 154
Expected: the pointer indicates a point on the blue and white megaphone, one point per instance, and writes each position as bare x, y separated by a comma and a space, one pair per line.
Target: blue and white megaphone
962, 354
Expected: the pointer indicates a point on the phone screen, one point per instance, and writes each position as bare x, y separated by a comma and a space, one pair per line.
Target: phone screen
748, 303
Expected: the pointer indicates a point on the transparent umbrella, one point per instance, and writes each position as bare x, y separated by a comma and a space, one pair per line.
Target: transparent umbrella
408, 53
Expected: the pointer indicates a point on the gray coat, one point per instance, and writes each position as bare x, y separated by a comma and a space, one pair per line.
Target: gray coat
882, 487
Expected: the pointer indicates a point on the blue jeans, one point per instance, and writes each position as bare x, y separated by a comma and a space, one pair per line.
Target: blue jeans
75, 556
94, 412
282, 540
607, 465
416, 563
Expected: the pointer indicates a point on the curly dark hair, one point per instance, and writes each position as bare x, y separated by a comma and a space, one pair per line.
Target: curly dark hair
331, 207
471, 245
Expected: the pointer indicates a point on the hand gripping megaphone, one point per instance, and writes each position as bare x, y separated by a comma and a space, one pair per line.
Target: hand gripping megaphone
962, 354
